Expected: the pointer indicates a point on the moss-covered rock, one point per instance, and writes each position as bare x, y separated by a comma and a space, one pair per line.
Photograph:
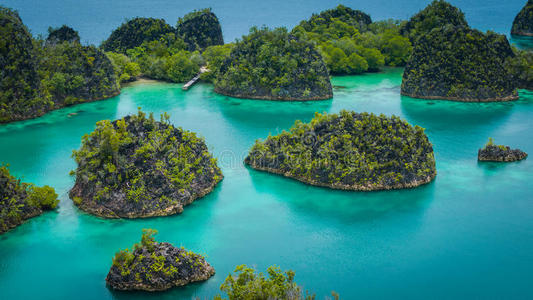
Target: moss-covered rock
19, 81
274, 65
349, 151
200, 29
134, 33
20, 201
154, 266
462, 64
499, 153
137, 167
89, 74
436, 15
523, 22
347, 15
62, 34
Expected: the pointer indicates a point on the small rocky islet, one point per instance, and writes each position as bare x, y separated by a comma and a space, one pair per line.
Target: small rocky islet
137, 167
523, 22
154, 266
349, 151
21, 201
500, 153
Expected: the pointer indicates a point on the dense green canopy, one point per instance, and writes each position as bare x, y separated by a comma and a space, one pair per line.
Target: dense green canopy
138, 167
523, 23
135, 32
351, 151
20, 201
459, 63
351, 17
272, 64
200, 29
437, 14
62, 34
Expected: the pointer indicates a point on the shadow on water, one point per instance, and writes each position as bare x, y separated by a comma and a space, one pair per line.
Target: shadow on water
346, 206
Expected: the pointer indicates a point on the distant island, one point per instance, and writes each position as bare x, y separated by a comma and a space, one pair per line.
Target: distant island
500, 153
137, 167
523, 22
291, 69
200, 29
21, 201
153, 266
349, 151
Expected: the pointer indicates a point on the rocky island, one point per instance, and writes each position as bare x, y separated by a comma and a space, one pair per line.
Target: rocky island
200, 29
523, 22
135, 32
500, 153
274, 65
349, 151
137, 167
21, 201
461, 64
153, 266
436, 15
62, 34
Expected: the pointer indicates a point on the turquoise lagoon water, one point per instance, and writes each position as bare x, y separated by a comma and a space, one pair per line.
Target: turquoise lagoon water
468, 234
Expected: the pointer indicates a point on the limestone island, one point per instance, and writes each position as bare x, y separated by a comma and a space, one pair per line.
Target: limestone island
274, 65
436, 15
21, 201
460, 64
349, 151
200, 29
523, 22
35, 78
500, 153
137, 167
153, 266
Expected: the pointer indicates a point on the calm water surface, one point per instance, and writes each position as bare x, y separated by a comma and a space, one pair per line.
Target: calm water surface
467, 234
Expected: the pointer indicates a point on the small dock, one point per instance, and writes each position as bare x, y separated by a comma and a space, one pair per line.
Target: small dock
195, 79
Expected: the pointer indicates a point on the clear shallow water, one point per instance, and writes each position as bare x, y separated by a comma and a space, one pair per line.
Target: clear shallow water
467, 234
96, 19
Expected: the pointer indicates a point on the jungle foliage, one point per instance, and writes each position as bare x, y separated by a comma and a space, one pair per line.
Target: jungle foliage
349, 151
523, 22
20, 201
272, 64
200, 29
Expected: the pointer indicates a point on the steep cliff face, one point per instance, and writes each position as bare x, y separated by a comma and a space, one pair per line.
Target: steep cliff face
200, 29
62, 34
436, 15
523, 23
21, 201
349, 151
137, 167
19, 81
458, 63
273, 65
135, 32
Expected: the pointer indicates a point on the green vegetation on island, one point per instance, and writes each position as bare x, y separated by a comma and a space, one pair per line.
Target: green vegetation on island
351, 44
274, 65
349, 151
133, 33
436, 15
523, 22
200, 29
20, 201
462, 64
138, 167
38, 76
246, 284
155, 266
499, 153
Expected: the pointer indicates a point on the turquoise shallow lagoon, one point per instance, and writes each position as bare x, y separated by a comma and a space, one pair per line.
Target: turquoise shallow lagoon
468, 234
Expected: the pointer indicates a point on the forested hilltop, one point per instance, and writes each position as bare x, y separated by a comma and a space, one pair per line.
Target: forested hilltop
523, 22
349, 151
272, 64
38, 76
20, 201
351, 43
200, 29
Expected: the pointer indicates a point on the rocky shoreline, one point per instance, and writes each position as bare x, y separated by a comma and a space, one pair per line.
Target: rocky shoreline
498, 153
458, 99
